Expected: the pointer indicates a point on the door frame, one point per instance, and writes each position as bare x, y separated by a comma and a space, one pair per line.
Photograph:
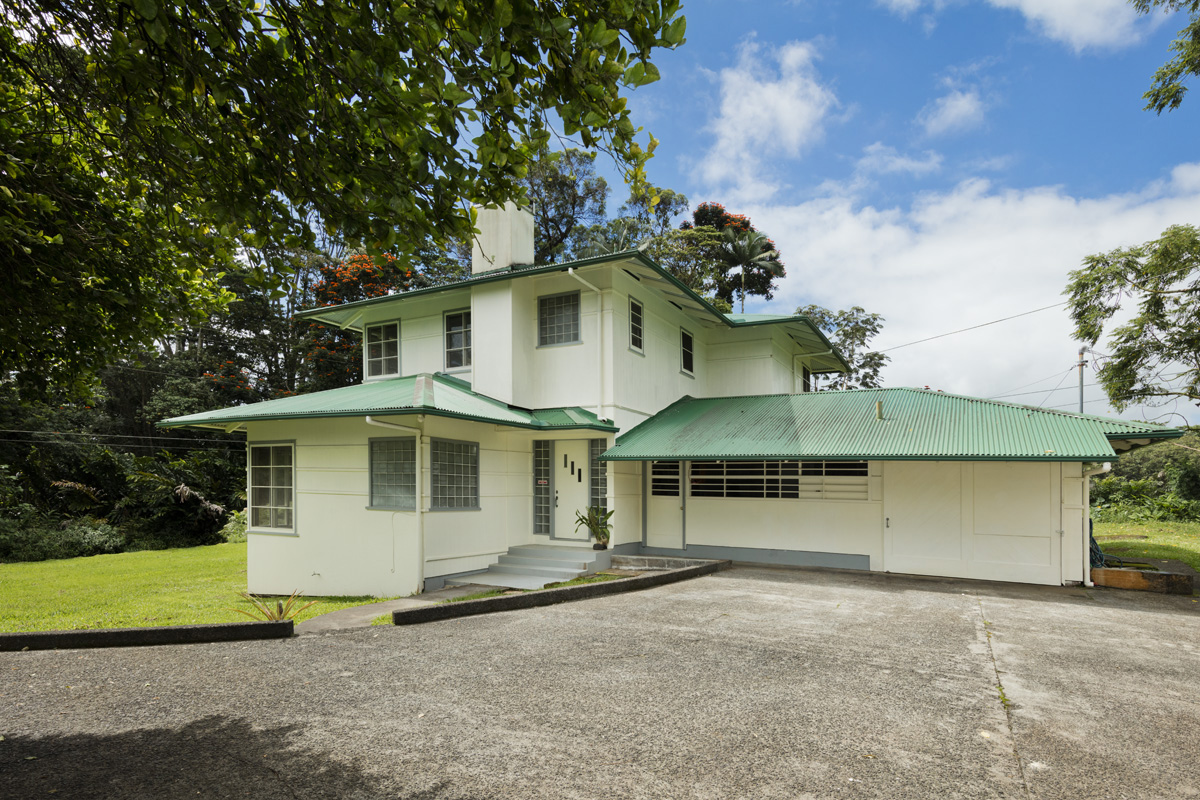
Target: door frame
554, 488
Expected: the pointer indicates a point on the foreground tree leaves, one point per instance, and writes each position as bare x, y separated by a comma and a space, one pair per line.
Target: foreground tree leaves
165, 136
1156, 355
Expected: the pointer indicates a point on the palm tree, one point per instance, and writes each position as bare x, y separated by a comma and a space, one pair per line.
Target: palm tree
748, 250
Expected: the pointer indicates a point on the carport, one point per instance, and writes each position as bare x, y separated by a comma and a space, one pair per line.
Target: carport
893, 480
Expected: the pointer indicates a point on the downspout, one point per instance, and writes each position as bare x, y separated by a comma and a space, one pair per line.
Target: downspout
599, 343
1087, 507
419, 500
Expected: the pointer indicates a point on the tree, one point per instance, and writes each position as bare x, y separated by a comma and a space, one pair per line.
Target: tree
757, 279
687, 254
1167, 91
746, 251
851, 332
567, 198
1156, 355
161, 134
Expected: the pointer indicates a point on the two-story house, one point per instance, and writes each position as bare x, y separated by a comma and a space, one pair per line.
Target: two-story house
495, 408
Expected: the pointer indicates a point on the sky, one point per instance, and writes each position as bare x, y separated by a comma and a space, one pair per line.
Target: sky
944, 163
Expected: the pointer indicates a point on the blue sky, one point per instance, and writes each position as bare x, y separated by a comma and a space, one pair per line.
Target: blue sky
943, 163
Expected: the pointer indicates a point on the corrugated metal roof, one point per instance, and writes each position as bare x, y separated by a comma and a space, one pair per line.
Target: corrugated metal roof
436, 394
801, 328
916, 424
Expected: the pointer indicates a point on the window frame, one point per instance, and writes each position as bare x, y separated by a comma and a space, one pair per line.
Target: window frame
467, 345
640, 349
597, 474
371, 504
578, 319
367, 376
689, 351
543, 494
435, 475
269, 530
806, 377
780, 479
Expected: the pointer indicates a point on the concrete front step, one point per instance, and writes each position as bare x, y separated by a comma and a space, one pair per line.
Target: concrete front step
532, 566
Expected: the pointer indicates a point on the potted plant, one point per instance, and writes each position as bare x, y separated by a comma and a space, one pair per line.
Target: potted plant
595, 519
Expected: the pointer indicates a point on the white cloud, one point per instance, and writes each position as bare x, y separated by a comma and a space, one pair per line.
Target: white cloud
1077, 23
773, 105
960, 110
965, 256
882, 159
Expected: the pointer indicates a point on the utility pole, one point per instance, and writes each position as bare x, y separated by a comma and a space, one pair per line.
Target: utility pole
1081, 365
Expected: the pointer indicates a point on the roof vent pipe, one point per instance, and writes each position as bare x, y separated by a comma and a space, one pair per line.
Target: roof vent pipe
878, 409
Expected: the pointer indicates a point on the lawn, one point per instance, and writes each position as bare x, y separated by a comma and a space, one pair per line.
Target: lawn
1177, 540
134, 590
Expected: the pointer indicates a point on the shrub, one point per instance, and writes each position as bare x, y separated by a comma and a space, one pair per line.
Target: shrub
235, 528
38, 538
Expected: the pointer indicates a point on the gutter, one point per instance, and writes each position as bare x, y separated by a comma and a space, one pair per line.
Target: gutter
599, 342
418, 494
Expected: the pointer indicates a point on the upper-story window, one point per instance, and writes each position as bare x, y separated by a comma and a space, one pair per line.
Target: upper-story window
687, 352
558, 319
807, 375
458, 339
383, 350
637, 318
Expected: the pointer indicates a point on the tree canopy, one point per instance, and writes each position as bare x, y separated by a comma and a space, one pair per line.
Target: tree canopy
851, 332
1167, 91
1156, 354
145, 143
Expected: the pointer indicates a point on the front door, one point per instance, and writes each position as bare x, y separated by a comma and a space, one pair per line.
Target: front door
571, 487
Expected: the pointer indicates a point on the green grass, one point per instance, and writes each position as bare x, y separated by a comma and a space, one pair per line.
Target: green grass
1174, 540
134, 590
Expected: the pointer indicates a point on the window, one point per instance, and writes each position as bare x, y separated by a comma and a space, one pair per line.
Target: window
803, 480
664, 478
636, 317
394, 473
383, 350
598, 489
558, 319
458, 339
541, 486
687, 349
807, 375
454, 475
271, 481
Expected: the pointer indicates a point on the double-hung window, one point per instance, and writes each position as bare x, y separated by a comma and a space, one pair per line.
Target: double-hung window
382, 354
458, 339
637, 316
558, 319
394, 473
454, 475
272, 481
687, 352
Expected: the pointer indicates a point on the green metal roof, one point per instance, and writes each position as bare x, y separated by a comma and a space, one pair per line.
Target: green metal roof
437, 394
916, 425
824, 357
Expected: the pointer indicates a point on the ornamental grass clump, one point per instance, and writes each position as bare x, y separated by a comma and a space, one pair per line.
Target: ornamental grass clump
282, 610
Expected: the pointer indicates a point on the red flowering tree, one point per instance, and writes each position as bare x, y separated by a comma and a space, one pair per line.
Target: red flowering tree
726, 278
333, 357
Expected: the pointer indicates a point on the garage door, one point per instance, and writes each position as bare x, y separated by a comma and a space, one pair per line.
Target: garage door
985, 520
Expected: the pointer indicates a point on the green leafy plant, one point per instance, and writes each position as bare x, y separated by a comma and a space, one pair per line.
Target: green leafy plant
595, 519
284, 609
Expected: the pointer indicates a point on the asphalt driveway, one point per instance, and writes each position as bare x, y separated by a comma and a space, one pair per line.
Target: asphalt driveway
751, 683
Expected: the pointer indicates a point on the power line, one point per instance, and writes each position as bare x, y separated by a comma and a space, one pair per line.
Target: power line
1052, 391
1031, 383
115, 436
973, 327
105, 444
1039, 391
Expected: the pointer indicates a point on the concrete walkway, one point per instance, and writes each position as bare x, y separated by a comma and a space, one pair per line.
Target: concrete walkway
363, 616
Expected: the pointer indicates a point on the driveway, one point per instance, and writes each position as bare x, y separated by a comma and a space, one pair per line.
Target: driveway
752, 683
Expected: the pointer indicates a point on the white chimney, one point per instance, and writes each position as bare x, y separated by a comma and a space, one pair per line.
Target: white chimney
505, 238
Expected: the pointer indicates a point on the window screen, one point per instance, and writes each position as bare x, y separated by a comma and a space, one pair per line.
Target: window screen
598, 489
803, 480
636, 338
458, 339
271, 481
664, 478
394, 473
541, 487
558, 319
686, 352
454, 475
383, 350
